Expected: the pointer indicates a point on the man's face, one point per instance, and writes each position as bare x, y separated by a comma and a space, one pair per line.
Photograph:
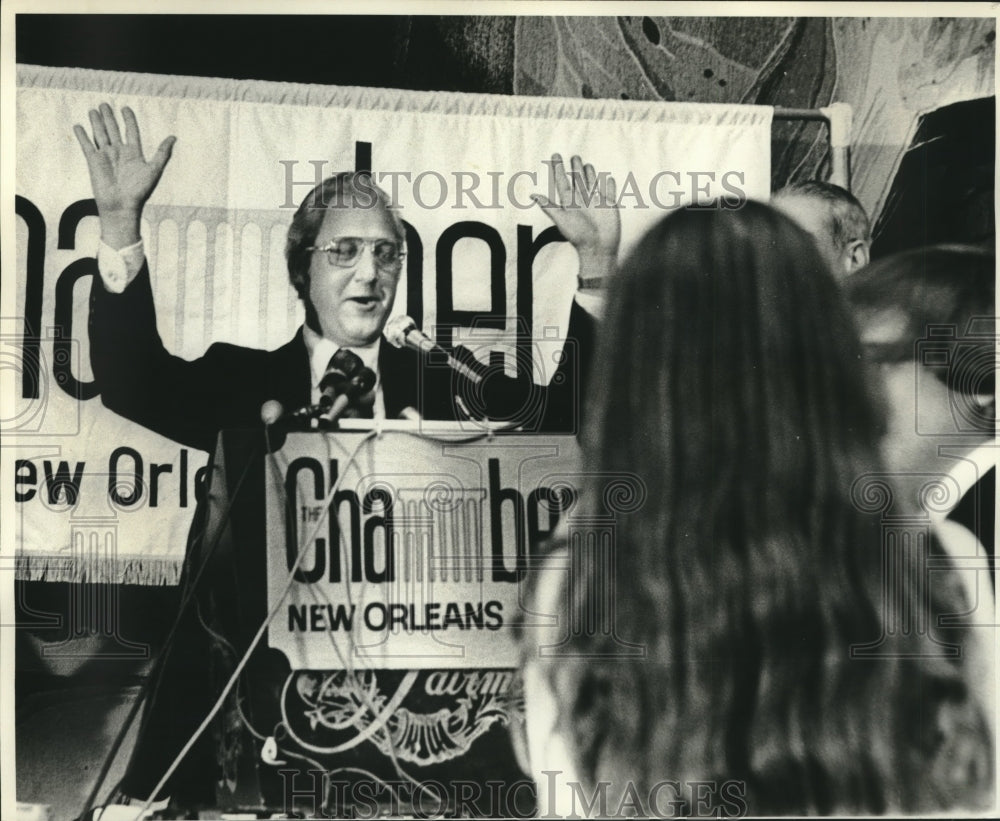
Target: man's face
352, 303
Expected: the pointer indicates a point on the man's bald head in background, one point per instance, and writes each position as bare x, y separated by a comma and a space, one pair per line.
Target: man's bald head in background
835, 219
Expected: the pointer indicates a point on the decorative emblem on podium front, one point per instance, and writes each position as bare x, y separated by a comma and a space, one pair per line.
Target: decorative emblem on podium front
421, 717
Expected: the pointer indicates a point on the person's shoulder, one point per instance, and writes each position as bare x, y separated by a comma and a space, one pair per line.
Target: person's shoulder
227, 350
388, 351
396, 363
240, 359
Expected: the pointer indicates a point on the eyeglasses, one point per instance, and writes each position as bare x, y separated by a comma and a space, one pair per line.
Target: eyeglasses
345, 251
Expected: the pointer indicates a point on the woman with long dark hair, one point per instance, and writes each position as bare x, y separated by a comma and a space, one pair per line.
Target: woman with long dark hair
744, 627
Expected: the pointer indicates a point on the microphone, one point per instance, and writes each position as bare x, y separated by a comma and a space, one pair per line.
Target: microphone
358, 385
271, 411
403, 331
343, 365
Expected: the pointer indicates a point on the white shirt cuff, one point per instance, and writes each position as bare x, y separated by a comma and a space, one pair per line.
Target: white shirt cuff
592, 303
119, 267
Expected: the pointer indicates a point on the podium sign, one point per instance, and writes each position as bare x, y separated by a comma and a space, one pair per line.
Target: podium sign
414, 552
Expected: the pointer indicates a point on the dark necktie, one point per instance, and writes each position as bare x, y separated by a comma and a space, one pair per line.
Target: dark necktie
363, 407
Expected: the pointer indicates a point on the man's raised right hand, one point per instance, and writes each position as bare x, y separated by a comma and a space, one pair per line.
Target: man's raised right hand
120, 176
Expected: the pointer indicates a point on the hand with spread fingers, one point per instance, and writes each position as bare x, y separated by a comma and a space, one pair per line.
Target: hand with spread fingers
121, 178
587, 215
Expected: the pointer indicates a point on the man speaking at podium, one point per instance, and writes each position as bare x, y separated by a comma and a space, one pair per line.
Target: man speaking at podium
345, 253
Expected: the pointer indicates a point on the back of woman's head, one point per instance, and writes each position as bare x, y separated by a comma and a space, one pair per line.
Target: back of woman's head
728, 341
734, 391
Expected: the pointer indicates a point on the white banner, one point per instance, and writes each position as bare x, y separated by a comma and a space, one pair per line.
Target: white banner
415, 553
99, 497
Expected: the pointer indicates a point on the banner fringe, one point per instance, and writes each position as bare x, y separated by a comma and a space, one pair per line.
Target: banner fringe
360, 98
109, 570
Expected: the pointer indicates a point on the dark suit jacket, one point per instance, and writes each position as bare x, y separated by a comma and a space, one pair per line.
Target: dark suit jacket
191, 401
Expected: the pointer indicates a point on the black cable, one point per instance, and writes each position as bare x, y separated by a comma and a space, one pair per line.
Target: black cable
167, 643
234, 678
186, 602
